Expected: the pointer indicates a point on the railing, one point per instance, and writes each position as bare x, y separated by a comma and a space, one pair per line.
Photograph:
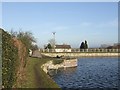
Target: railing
95, 50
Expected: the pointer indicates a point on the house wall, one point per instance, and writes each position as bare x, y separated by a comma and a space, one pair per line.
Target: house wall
62, 50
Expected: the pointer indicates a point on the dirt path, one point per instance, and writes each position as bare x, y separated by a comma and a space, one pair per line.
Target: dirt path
37, 54
37, 76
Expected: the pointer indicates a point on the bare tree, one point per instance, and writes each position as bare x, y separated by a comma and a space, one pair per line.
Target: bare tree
13, 33
52, 43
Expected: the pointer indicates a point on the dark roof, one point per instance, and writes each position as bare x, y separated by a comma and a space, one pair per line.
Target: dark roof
114, 47
62, 46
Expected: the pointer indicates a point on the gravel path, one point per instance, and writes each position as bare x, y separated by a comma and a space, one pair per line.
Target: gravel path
37, 54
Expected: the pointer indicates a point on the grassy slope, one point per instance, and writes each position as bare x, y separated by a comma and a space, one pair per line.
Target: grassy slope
36, 77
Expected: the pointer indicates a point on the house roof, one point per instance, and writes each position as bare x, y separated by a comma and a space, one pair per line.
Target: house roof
114, 47
62, 46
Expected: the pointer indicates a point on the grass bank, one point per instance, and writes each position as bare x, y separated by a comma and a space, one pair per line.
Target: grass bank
36, 77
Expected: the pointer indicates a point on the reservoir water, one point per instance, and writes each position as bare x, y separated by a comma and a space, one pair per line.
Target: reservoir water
99, 73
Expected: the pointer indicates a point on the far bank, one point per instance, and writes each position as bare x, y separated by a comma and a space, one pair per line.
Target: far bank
79, 54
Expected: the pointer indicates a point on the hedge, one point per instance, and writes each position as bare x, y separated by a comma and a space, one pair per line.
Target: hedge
9, 60
0, 58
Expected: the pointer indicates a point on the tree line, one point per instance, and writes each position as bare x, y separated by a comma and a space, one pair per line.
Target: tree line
26, 38
84, 45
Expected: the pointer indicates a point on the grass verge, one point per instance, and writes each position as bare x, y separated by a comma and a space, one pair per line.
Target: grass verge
36, 77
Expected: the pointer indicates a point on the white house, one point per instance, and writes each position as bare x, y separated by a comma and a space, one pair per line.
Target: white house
62, 48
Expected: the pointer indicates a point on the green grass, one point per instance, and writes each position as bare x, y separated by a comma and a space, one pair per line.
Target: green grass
36, 77
57, 62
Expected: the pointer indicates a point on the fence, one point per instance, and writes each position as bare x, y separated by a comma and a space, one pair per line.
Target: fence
95, 50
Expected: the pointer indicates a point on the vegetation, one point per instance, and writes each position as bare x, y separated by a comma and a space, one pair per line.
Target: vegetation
36, 77
52, 43
15, 57
48, 46
9, 60
15, 48
84, 45
34, 47
57, 62
27, 39
0, 58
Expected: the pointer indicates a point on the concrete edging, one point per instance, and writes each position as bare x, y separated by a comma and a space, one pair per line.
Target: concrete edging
82, 54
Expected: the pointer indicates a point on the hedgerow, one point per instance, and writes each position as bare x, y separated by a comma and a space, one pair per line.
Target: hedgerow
9, 60
15, 51
0, 58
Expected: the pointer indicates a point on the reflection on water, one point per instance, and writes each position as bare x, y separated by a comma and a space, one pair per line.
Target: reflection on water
90, 73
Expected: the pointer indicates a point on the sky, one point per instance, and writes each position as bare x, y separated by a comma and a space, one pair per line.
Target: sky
60, 0
73, 22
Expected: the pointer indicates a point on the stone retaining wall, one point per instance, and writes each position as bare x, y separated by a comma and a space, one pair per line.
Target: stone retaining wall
81, 54
70, 63
66, 63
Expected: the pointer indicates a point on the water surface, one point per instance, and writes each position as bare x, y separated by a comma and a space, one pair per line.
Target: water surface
97, 72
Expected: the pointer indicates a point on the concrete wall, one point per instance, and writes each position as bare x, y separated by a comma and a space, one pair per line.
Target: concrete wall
66, 63
79, 54
62, 50
70, 63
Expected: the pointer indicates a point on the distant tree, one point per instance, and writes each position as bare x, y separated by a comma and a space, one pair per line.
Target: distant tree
25, 37
45, 46
34, 47
13, 33
49, 46
85, 45
52, 43
82, 45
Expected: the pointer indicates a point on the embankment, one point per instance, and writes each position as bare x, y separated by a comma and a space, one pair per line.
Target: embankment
79, 54
36, 77
50, 65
